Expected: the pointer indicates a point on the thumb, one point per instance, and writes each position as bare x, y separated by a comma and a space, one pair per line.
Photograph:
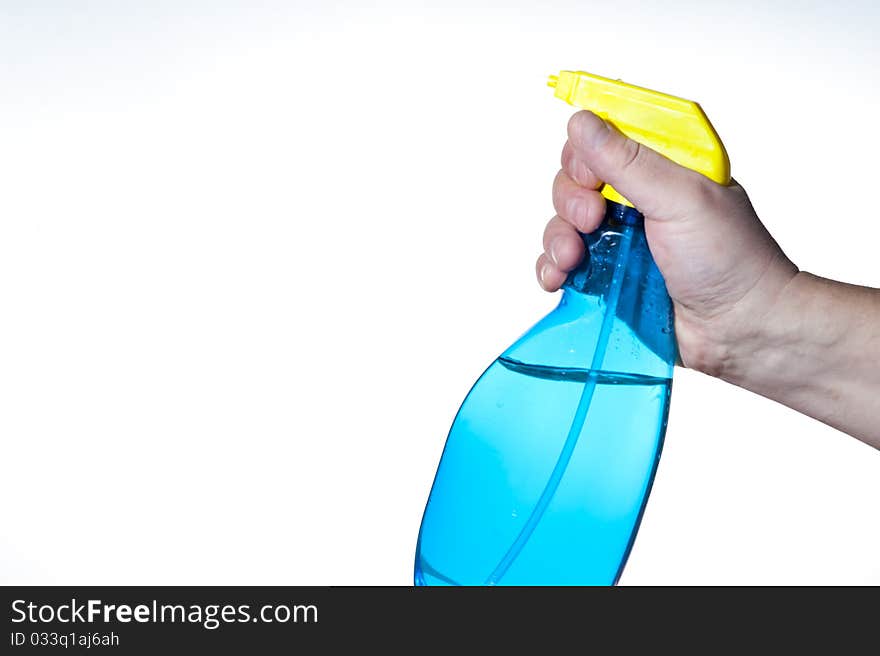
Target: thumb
657, 186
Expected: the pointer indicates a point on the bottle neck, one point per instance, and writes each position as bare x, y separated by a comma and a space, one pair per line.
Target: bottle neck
619, 214
602, 247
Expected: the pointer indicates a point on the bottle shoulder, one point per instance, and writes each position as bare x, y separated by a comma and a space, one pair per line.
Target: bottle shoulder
567, 336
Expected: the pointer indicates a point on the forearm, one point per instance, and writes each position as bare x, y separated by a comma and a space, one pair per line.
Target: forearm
816, 350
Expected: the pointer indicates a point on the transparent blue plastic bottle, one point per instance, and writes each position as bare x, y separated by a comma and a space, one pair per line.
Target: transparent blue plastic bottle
550, 460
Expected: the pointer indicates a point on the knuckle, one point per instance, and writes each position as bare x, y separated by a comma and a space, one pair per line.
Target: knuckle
708, 193
574, 125
739, 195
630, 154
709, 196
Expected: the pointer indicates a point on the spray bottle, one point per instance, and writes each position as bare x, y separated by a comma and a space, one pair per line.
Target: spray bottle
550, 460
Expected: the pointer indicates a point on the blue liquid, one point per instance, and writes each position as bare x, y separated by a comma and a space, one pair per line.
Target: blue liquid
550, 459
504, 443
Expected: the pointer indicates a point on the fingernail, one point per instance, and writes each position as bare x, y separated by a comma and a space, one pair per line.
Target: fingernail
553, 251
579, 171
574, 209
543, 275
590, 130
600, 136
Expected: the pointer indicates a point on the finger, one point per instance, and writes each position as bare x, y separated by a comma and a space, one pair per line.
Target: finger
577, 170
562, 244
583, 208
549, 277
657, 186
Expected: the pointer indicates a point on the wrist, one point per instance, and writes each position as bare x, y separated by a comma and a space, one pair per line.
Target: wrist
760, 348
737, 344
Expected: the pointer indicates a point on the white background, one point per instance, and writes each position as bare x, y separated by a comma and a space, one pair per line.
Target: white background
253, 256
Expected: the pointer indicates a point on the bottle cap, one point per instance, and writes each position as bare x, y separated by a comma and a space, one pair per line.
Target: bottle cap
674, 127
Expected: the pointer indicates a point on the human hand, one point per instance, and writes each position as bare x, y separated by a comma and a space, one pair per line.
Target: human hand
722, 268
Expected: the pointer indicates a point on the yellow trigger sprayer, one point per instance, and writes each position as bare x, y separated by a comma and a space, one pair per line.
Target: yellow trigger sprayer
674, 127
549, 462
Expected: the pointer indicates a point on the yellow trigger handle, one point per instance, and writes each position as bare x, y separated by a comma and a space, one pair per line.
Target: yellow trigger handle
672, 126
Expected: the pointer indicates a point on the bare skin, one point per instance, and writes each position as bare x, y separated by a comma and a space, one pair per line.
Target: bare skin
743, 311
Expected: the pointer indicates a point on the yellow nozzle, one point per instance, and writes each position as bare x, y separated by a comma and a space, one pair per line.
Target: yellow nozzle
672, 126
